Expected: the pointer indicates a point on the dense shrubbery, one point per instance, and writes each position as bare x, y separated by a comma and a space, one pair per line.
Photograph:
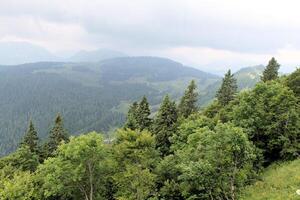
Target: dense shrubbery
182, 153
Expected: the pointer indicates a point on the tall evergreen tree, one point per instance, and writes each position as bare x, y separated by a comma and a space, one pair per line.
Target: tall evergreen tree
271, 71
57, 134
143, 113
131, 121
228, 89
188, 102
31, 138
165, 125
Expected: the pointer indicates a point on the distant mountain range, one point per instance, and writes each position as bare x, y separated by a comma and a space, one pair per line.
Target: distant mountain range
14, 53
94, 95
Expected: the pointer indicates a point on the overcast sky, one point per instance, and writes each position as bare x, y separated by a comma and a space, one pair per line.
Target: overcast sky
207, 34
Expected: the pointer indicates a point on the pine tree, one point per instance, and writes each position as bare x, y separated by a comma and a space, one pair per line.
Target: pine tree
31, 138
228, 89
188, 102
165, 125
131, 121
56, 135
143, 113
271, 71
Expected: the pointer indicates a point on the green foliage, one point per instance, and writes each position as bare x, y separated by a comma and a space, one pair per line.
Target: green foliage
293, 82
168, 185
270, 114
31, 138
188, 127
143, 113
23, 159
279, 181
228, 89
18, 186
57, 135
79, 170
165, 125
136, 156
138, 116
215, 163
271, 71
131, 121
210, 154
212, 109
187, 104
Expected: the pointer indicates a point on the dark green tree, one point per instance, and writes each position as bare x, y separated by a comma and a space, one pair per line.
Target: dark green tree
31, 138
57, 134
271, 71
293, 82
188, 103
228, 89
165, 125
131, 121
143, 113
216, 163
270, 114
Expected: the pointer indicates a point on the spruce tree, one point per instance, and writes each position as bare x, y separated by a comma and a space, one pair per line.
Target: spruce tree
131, 121
271, 71
143, 113
31, 138
57, 134
165, 125
228, 89
188, 102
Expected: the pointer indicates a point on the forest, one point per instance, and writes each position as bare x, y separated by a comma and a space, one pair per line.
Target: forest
182, 151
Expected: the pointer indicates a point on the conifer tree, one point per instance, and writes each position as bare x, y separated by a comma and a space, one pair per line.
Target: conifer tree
188, 102
227, 90
271, 71
57, 134
131, 121
31, 138
143, 113
165, 125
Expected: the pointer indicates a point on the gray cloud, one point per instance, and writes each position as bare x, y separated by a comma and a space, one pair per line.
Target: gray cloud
245, 27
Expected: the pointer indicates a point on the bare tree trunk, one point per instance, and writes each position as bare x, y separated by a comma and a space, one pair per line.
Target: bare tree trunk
91, 181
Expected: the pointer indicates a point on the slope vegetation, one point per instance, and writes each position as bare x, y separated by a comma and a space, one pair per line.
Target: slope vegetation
278, 182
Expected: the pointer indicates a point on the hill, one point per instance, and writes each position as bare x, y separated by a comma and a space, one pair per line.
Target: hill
90, 96
278, 182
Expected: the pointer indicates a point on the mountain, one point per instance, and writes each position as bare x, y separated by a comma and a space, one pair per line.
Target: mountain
90, 96
247, 77
95, 56
13, 53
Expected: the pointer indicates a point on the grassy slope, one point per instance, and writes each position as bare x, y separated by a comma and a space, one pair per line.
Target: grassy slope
279, 182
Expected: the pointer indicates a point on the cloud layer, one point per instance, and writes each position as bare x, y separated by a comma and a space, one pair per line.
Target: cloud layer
204, 33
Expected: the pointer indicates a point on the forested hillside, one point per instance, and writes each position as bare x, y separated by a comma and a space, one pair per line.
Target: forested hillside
92, 96
179, 152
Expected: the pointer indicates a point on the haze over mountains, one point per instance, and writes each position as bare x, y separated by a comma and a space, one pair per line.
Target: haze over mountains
14, 53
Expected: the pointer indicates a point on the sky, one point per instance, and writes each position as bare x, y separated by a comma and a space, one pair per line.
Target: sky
211, 35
